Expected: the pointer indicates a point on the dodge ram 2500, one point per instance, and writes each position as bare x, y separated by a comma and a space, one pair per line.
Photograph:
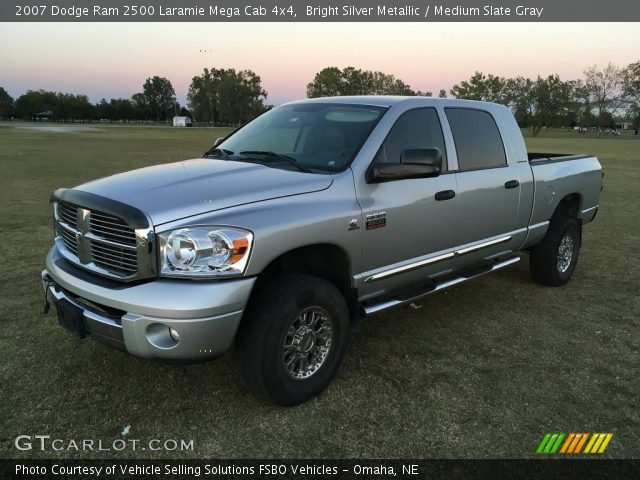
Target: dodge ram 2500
302, 221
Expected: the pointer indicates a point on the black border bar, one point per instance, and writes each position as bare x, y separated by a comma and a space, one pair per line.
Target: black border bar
567, 468
321, 11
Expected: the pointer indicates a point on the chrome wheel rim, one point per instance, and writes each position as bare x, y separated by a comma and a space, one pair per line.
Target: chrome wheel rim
307, 343
565, 253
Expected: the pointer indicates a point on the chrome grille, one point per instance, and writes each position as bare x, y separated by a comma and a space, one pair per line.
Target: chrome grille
69, 239
114, 259
97, 241
68, 214
111, 228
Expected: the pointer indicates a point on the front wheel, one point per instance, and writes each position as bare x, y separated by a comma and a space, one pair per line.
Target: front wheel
553, 260
293, 338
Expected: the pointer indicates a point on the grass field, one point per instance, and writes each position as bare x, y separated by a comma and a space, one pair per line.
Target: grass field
482, 370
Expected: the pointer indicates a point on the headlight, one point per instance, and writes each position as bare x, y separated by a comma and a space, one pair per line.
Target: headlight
204, 252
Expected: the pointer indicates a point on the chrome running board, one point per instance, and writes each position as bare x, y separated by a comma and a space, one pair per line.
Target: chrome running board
401, 300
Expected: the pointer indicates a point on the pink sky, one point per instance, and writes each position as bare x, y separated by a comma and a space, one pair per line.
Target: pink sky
113, 60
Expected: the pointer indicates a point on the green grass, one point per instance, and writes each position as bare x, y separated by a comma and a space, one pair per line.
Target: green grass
482, 370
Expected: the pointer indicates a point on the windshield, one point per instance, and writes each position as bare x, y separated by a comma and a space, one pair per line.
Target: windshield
316, 136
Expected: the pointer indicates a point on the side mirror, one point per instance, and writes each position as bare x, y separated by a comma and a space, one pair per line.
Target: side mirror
414, 163
218, 141
386, 172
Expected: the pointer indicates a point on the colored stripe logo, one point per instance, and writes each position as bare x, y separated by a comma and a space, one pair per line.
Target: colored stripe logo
558, 442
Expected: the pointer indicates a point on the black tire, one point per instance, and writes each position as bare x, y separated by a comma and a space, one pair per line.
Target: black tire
265, 329
544, 263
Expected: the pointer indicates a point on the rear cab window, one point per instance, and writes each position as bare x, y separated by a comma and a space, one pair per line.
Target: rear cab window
477, 139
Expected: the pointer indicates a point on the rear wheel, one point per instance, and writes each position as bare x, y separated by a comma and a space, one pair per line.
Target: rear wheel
553, 260
293, 338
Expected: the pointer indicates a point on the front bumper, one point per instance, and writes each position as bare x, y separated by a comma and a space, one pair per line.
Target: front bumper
138, 318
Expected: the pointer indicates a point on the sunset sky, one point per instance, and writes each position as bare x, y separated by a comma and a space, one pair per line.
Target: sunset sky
113, 60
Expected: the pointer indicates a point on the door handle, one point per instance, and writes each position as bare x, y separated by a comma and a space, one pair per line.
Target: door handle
445, 195
512, 184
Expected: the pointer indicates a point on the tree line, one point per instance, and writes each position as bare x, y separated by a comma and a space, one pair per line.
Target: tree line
605, 97
217, 96
155, 102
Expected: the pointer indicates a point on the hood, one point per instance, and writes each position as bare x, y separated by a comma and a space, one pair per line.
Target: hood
177, 190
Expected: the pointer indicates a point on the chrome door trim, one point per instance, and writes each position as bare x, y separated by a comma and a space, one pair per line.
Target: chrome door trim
406, 268
539, 225
412, 266
480, 246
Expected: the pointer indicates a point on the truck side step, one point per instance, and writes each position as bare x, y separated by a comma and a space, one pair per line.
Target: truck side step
403, 299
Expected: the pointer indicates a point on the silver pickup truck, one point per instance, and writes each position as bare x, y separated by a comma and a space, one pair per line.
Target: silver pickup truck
313, 215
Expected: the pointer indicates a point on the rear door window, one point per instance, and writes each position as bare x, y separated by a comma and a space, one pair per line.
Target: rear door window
477, 139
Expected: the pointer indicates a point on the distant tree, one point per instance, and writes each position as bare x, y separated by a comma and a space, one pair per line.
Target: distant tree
605, 87
442, 93
203, 97
31, 103
122, 109
473, 89
378, 83
6, 104
141, 108
551, 103
117, 109
240, 94
103, 110
56, 106
542, 102
588, 119
70, 107
634, 114
631, 82
605, 120
520, 96
579, 104
159, 97
426, 93
333, 82
582, 104
489, 88
328, 82
355, 81
226, 96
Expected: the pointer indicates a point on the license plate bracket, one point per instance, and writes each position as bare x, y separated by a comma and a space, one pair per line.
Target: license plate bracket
71, 317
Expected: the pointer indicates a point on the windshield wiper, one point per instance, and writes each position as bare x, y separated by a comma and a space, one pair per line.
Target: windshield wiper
219, 152
279, 156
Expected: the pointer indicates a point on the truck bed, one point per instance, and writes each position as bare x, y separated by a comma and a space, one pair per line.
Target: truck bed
558, 176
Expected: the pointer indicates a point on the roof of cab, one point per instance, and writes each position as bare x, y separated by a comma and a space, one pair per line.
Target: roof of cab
386, 100
377, 100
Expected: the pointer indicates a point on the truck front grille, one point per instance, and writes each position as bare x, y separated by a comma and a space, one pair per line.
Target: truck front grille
69, 239
111, 228
100, 242
67, 214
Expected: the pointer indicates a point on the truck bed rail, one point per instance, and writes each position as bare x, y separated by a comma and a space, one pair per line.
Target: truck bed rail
538, 158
